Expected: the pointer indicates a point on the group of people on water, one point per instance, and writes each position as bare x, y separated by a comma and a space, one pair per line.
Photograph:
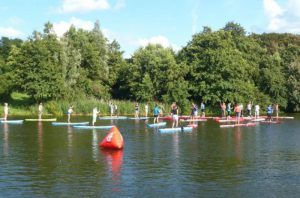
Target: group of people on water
226, 111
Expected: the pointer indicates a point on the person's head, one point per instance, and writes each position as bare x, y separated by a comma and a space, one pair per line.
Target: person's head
5, 104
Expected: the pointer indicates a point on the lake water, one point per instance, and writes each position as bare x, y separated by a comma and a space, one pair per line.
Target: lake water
40, 160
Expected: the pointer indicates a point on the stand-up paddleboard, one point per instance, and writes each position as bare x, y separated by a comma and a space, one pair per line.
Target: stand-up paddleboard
92, 127
194, 120
174, 130
139, 118
237, 125
113, 118
258, 119
42, 120
231, 120
12, 121
270, 122
193, 125
157, 125
69, 123
283, 117
166, 118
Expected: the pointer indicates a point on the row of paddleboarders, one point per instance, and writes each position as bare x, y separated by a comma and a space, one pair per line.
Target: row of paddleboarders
158, 111
6, 109
239, 110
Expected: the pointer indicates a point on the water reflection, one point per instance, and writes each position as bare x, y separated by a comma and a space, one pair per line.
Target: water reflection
95, 145
5, 139
237, 140
114, 161
40, 139
70, 140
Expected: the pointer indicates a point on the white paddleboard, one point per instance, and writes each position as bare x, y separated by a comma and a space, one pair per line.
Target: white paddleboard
92, 127
42, 120
174, 130
113, 118
12, 121
156, 125
69, 123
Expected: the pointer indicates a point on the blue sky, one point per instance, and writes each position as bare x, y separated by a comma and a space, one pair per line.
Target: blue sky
136, 23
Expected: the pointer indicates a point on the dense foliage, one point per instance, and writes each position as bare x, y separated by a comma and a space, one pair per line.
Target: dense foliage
226, 65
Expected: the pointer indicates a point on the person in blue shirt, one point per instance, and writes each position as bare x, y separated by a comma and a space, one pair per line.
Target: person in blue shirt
156, 113
269, 112
202, 107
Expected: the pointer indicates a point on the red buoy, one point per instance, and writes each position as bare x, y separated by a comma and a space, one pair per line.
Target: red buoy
113, 140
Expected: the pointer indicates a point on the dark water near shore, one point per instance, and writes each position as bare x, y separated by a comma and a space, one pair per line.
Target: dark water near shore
40, 160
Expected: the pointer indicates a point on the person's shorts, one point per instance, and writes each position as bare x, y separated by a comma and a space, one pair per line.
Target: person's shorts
195, 113
175, 117
155, 116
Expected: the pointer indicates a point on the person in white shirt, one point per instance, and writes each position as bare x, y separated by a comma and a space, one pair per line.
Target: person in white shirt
5, 109
95, 113
249, 107
40, 111
69, 112
256, 108
146, 109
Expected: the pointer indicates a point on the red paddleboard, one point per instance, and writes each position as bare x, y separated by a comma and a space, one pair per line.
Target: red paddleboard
113, 140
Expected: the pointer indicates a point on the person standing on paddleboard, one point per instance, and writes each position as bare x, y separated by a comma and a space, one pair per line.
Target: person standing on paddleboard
174, 113
256, 111
202, 107
192, 111
69, 112
156, 113
137, 110
237, 111
40, 110
276, 108
95, 113
5, 109
223, 109
242, 110
228, 109
111, 108
269, 113
249, 107
146, 109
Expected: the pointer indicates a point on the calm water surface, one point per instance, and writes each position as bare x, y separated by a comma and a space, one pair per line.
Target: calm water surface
40, 160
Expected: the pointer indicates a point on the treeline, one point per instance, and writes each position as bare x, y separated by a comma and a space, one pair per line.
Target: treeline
225, 65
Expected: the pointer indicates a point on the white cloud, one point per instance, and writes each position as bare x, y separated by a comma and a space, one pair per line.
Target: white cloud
61, 27
10, 32
83, 5
272, 8
162, 40
119, 4
283, 18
